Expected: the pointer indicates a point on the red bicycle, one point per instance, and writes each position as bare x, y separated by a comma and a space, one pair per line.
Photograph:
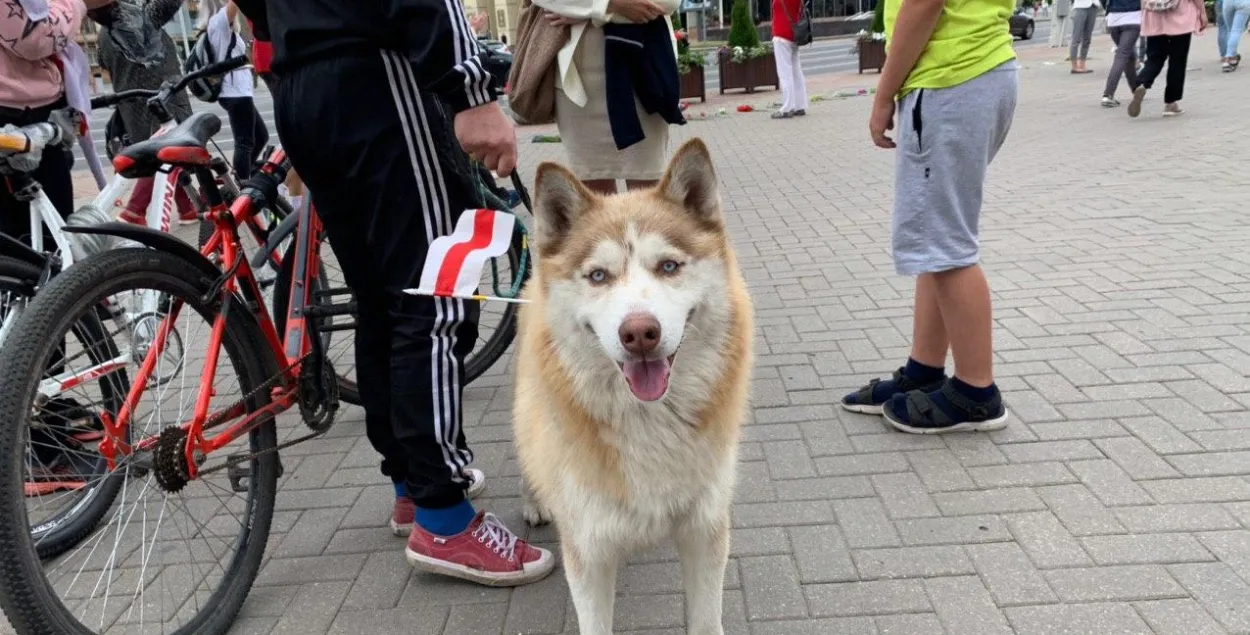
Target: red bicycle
168, 529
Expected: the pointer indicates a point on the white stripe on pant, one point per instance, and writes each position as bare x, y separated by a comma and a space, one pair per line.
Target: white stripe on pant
790, 72
444, 370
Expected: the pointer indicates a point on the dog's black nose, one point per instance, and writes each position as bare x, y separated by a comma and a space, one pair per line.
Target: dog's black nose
640, 334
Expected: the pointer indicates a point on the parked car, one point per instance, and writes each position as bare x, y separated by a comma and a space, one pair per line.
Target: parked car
1021, 23
497, 58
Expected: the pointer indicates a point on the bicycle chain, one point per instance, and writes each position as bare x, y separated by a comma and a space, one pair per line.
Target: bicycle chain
220, 418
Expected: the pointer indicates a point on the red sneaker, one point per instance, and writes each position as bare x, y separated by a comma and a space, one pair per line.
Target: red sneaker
189, 218
405, 510
486, 552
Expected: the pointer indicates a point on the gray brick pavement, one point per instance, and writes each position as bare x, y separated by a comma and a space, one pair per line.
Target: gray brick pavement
1117, 502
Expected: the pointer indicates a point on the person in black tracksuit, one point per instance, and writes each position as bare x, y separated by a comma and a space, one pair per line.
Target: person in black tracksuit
359, 109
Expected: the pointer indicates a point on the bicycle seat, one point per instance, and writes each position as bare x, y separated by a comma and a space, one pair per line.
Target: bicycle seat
181, 147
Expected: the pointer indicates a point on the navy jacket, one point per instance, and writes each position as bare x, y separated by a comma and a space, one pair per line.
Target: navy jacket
639, 60
1122, 6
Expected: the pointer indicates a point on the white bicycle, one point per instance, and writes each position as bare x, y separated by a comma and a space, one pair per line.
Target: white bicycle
124, 327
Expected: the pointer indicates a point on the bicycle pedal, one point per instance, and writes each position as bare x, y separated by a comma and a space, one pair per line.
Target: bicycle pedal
241, 471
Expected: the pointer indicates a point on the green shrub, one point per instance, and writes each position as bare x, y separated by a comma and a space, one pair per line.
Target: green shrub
878, 17
742, 31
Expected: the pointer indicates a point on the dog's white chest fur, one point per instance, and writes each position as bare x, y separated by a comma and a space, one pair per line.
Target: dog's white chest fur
672, 474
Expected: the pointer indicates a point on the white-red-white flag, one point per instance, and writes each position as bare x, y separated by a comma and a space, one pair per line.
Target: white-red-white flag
454, 264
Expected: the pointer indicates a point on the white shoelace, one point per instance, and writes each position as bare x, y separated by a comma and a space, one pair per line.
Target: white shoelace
497, 536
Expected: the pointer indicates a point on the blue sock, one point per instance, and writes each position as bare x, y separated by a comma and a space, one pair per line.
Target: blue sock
922, 373
972, 392
447, 521
401, 489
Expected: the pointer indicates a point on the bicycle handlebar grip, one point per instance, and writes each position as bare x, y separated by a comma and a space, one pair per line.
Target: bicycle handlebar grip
219, 68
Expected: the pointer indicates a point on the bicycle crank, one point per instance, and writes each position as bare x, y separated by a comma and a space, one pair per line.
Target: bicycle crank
318, 393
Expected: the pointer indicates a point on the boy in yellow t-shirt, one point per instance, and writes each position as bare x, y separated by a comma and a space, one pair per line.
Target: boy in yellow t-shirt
953, 72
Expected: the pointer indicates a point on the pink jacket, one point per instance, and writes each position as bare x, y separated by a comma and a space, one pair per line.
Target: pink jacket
1186, 18
29, 74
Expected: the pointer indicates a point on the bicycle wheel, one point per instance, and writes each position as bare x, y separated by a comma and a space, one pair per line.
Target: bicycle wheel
502, 314
63, 421
198, 568
339, 346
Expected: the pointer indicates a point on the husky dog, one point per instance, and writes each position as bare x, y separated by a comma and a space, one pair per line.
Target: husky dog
632, 373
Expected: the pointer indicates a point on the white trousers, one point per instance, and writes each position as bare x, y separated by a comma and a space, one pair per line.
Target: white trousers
790, 72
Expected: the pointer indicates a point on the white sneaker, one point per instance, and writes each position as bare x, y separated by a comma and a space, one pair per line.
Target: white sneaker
1108, 102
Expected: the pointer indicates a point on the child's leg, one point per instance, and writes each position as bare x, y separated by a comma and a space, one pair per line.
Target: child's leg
944, 149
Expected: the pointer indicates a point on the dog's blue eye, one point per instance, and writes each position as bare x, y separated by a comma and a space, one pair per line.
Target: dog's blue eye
598, 275
670, 266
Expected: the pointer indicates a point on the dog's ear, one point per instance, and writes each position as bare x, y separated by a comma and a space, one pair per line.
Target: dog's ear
559, 197
691, 181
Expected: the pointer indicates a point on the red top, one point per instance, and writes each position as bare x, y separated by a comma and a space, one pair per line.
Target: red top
262, 54
782, 27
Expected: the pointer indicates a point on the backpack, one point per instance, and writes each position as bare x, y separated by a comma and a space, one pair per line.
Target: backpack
803, 26
206, 89
1160, 6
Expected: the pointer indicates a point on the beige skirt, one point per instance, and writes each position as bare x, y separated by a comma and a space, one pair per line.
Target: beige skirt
587, 135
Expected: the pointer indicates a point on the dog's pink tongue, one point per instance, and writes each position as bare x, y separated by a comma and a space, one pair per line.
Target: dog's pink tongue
647, 379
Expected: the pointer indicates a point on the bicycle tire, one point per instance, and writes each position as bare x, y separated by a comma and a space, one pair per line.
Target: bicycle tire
26, 595
349, 390
501, 339
62, 534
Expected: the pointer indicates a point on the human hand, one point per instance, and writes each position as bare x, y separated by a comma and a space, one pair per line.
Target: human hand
881, 120
487, 135
636, 11
558, 20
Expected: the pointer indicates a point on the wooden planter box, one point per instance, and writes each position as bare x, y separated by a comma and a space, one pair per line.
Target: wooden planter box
871, 55
751, 74
693, 84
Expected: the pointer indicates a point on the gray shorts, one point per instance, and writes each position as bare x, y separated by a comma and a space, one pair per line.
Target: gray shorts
946, 140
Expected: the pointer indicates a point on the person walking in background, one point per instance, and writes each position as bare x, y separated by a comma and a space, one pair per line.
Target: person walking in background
607, 132
1235, 14
1124, 27
1084, 14
1169, 33
133, 64
1221, 27
786, 54
250, 133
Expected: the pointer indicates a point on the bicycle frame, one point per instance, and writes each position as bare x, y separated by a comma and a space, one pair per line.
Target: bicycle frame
44, 214
238, 281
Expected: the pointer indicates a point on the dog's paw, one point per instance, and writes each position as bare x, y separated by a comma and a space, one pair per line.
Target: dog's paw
535, 514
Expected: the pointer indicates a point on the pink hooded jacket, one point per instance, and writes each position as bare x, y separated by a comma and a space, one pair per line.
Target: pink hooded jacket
29, 72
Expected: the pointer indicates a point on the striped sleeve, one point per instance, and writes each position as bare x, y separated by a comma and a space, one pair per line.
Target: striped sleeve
444, 51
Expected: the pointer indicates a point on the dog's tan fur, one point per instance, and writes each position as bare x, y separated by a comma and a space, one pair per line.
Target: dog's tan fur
617, 474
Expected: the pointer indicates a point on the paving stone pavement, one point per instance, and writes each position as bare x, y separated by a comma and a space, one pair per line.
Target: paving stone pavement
1116, 503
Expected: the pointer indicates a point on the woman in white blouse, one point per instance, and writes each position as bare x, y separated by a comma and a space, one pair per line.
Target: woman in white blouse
581, 99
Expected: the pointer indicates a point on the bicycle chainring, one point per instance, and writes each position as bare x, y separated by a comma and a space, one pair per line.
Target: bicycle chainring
169, 460
318, 394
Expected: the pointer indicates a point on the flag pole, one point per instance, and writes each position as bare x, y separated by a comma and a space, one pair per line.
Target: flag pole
479, 298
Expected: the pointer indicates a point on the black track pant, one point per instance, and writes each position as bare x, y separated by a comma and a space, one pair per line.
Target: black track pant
1173, 49
387, 177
